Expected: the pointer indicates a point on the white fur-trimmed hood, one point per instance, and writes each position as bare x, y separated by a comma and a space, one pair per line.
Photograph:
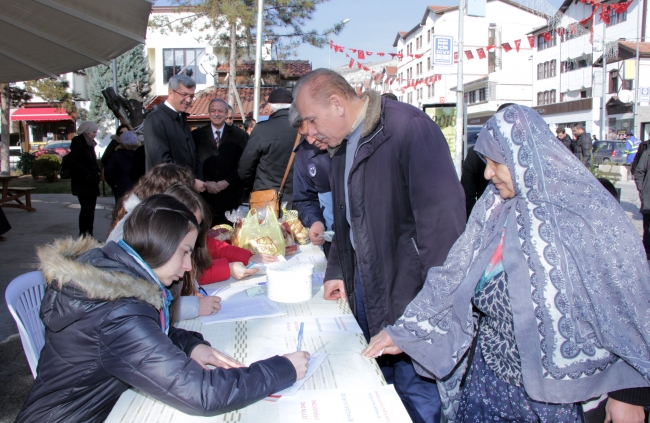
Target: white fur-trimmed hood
60, 268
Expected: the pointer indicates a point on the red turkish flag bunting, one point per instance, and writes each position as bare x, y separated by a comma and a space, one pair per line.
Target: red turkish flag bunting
347, 55
331, 44
455, 57
560, 31
400, 55
469, 54
531, 40
488, 48
417, 56
353, 50
481, 53
361, 55
360, 65
506, 47
365, 69
351, 62
546, 35
380, 54
517, 45
368, 53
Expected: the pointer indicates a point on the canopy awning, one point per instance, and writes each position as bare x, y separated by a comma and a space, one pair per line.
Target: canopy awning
40, 114
41, 38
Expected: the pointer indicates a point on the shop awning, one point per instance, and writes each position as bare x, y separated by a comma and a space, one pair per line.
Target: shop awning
46, 38
40, 114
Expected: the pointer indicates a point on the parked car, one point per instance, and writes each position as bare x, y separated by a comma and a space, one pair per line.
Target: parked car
472, 134
14, 157
60, 148
609, 152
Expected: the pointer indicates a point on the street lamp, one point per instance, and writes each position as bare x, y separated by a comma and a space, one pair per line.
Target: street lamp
329, 54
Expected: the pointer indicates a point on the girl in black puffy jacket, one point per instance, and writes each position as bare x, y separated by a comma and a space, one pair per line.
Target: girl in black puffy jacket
106, 316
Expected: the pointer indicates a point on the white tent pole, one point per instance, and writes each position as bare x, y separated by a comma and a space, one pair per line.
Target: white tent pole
258, 62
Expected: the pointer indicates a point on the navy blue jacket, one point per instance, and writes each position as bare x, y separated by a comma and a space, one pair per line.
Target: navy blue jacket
311, 176
406, 205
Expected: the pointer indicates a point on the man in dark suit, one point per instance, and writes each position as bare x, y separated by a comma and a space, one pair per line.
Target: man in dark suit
219, 147
167, 137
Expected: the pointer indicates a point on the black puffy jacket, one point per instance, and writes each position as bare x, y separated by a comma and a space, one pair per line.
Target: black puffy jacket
103, 335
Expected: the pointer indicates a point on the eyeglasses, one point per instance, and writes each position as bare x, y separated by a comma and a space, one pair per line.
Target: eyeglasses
190, 96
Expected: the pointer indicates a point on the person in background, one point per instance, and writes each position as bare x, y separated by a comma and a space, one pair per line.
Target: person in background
139, 167
265, 159
249, 125
642, 180
594, 139
390, 96
472, 179
395, 214
564, 138
230, 116
4, 225
582, 144
167, 134
312, 195
84, 174
534, 288
119, 166
643, 146
110, 149
106, 314
219, 147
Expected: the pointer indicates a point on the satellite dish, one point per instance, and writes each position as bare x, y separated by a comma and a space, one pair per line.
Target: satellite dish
626, 96
208, 63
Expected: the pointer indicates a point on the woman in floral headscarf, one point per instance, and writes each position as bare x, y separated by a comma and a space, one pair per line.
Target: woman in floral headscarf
544, 302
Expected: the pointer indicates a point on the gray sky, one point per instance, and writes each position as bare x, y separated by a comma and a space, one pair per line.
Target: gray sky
373, 25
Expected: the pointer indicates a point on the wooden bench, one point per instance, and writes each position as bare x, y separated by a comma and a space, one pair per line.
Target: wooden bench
14, 194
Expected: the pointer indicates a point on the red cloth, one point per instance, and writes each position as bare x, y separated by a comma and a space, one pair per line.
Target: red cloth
222, 254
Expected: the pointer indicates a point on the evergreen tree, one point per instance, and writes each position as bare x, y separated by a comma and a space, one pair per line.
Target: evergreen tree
132, 72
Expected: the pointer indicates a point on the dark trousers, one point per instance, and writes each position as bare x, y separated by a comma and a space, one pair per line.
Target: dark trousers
4, 223
646, 233
87, 214
418, 394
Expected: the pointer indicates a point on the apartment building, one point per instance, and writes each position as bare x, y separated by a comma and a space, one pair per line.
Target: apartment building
568, 66
501, 76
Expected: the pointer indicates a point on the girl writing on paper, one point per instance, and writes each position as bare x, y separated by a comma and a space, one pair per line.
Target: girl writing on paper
542, 303
213, 260
106, 314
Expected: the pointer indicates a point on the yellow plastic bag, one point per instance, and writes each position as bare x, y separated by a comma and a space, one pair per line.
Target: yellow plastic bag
261, 233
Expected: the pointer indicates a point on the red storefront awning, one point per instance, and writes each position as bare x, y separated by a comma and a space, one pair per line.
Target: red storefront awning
40, 114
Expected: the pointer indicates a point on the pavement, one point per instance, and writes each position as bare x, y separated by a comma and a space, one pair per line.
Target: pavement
56, 217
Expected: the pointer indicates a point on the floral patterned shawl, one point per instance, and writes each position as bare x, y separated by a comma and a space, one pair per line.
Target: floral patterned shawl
577, 276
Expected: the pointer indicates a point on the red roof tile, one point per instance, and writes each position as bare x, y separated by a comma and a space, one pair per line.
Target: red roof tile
287, 68
199, 109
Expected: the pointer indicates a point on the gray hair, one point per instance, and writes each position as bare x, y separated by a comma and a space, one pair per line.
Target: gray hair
181, 79
218, 100
230, 109
279, 106
322, 84
295, 119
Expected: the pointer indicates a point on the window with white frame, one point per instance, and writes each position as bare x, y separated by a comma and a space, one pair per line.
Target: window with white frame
183, 60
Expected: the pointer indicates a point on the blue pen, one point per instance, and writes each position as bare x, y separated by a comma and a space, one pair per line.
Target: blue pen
202, 291
302, 326
251, 264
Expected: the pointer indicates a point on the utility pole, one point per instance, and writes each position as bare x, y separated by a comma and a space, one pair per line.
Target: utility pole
460, 92
603, 127
258, 63
114, 66
637, 91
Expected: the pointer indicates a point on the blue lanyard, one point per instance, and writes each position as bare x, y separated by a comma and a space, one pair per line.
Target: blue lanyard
166, 295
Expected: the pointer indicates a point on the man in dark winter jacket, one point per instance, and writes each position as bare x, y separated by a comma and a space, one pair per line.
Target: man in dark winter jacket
167, 136
564, 138
642, 179
582, 144
266, 156
398, 209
